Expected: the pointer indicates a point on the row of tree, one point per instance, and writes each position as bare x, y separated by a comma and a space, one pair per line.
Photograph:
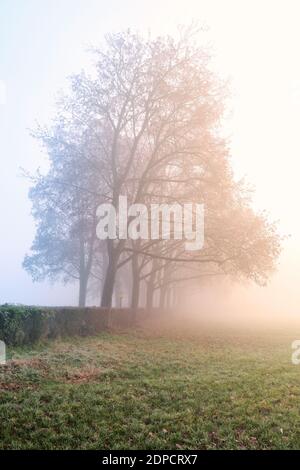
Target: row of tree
144, 124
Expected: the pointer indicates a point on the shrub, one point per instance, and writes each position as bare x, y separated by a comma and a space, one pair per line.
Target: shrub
21, 325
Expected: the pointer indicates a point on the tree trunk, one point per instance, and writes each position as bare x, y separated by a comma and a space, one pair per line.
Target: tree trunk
135, 293
162, 297
110, 276
150, 292
168, 298
83, 278
108, 287
82, 291
150, 286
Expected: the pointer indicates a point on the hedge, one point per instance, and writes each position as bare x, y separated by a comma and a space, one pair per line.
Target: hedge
20, 325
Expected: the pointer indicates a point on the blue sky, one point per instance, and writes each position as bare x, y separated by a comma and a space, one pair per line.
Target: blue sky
255, 44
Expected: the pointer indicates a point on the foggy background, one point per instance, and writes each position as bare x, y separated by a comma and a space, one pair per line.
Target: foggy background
255, 45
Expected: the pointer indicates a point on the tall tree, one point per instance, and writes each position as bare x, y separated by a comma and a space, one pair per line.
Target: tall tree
146, 125
64, 207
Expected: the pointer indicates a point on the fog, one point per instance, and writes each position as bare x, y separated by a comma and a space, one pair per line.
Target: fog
255, 46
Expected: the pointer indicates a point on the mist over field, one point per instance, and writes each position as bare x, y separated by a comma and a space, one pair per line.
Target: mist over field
263, 137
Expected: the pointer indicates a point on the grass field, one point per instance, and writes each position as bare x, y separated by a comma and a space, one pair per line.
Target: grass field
151, 391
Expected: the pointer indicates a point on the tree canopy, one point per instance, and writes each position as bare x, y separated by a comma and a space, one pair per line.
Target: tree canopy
146, 125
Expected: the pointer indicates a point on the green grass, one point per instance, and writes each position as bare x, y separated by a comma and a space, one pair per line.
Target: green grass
138, 391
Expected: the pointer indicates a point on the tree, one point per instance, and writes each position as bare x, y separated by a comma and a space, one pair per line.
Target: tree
159, 105
64, 207
146, 125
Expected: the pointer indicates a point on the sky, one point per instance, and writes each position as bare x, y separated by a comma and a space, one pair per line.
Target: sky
255, 45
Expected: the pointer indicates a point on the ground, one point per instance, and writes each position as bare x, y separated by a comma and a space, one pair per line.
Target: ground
153, 391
